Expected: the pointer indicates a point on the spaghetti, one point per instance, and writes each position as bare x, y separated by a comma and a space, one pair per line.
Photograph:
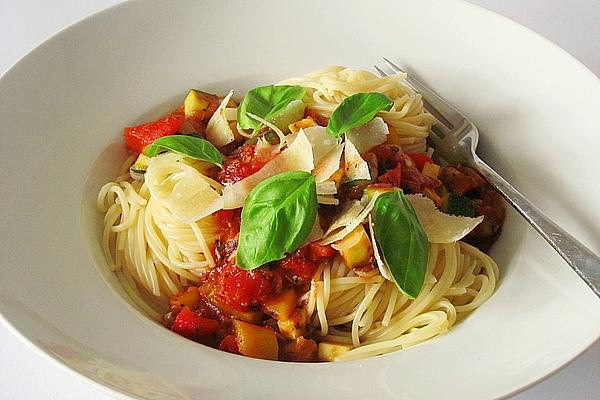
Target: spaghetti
172, 224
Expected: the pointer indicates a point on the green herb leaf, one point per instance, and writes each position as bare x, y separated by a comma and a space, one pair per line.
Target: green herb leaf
189, 146
357, 110
460, 205
277, 217
266, 102
402, 241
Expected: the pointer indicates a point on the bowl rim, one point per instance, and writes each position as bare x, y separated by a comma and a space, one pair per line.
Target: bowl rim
510, 392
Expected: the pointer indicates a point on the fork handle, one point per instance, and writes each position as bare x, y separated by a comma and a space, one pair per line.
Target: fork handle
581, 259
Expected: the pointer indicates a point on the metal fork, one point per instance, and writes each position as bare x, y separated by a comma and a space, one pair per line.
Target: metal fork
454, 139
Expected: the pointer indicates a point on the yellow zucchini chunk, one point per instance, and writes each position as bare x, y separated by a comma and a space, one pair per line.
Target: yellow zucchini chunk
256, 341
330, 351
303, 123
190, 298
355, 248
431, 170
294, 326
281, 306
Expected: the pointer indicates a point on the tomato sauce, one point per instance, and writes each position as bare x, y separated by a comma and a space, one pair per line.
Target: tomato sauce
240, 164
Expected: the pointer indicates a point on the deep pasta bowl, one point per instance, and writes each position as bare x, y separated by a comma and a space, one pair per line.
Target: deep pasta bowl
63, 109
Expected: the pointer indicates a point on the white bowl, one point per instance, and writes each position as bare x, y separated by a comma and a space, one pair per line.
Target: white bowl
65, 104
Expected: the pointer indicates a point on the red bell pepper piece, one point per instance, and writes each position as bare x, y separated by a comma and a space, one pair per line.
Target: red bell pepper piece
138, 137
193, 326
420, 160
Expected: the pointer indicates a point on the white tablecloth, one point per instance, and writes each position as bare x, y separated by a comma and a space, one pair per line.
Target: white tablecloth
24, 374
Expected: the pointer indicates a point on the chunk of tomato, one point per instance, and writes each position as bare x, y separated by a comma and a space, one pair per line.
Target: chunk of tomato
298, 266
241, 289
420, 160
193, 326
229, 344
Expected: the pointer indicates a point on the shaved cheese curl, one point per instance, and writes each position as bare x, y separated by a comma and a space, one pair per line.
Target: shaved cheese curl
218, 131
297, 157
441, 227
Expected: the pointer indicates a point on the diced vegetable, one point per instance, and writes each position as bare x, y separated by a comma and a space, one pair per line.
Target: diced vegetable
294, 327
197, 102
141, 164
138, 137
286, 117
229, 344
330, 351
432, 170
300, 350
420, 160
256, 341
302, 124
355, 248
252, 317
190, 298
298, 267
282, 305
318, 252
393, 136
193, 326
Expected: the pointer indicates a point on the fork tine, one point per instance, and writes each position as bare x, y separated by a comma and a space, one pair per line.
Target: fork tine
441, 129
392, 66
436, 105
380, 71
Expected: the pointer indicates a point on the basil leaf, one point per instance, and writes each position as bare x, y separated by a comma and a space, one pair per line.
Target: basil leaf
266, 102
402, 241
277, 217
189, 146
357, 110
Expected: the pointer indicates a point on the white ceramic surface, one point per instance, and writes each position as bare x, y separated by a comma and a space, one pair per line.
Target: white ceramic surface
103, 73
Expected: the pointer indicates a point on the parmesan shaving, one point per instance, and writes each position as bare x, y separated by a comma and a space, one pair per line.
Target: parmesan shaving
384, 270
297, 157
218, 131
356, 167
320, 141
441, 227
328, 200
328, 164
346, 216
181, 188
350, 223
326, 188
367, 136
